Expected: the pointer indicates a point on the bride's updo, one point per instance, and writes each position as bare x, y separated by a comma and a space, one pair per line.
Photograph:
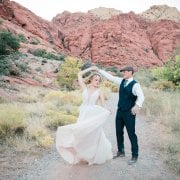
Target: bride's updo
91, 76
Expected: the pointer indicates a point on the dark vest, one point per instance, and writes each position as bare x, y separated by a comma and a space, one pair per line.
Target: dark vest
126, 98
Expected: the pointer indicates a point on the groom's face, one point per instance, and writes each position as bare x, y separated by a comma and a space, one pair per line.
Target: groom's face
127, 74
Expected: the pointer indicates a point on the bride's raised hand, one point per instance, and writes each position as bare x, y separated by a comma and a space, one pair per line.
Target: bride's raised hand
94, 68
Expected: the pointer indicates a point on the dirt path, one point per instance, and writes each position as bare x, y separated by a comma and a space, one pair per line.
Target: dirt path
150, 165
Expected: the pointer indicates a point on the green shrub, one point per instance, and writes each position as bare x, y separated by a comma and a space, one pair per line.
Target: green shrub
8, 43
5, 65
169, 72
43, 53
11, 65
22, 38
68, 73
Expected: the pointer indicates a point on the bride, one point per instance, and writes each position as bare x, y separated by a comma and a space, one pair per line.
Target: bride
85, 140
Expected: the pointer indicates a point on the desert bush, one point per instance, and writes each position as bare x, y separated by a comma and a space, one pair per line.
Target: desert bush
144, 76
163, 85
68, 73
45, 141
58, 118
114, 69
108, 84
11, 121
169, 72
8, 43
161, 104
22, 38
62, 97
5, 66
2, 100
37, 132
70, 109
35, 41
12, 65
44, 54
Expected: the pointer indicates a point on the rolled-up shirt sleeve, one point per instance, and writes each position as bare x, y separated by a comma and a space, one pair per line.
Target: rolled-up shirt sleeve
137, 91
116, 80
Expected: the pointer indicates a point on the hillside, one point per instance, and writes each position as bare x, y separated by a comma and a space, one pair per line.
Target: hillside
124, 38
156, 13
104, 13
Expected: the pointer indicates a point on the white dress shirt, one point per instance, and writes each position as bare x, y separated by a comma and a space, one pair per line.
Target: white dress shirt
136, 90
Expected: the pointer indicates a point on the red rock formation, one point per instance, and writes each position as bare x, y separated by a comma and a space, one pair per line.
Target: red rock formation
32, 23
123, 39
165, 37
6, 10
76, 32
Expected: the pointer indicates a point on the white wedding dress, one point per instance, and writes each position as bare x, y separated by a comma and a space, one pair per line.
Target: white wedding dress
85, 140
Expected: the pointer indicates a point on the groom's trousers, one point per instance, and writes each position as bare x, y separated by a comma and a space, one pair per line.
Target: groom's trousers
127, 119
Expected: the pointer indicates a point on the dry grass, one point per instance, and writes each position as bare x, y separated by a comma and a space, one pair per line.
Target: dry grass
61, 98
110, 86
12, 120
163, 107
55, 119
29, 122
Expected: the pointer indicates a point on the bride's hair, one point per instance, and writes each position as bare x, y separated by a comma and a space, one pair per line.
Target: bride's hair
89, 78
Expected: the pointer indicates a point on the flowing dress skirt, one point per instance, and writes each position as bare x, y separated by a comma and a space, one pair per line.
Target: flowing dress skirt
85, 140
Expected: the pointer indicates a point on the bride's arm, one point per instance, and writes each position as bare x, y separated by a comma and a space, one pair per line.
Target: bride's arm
101, 99
80, 76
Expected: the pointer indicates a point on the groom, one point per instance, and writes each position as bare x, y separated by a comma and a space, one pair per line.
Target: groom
130, 102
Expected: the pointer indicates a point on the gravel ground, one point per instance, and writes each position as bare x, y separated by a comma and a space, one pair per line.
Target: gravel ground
150, 165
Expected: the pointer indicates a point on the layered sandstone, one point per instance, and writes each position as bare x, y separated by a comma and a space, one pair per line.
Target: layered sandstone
104, 13
161, 12
120, 39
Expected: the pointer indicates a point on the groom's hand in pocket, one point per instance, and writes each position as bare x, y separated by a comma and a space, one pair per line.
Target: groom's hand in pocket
135, 109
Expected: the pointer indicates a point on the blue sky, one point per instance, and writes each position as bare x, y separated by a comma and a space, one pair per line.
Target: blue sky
47, 9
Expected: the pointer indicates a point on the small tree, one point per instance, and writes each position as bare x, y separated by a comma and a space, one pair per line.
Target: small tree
8, 43
169, 72
68, 72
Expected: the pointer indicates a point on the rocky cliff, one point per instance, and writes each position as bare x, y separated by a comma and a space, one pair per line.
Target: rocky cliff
123, 38
161, 12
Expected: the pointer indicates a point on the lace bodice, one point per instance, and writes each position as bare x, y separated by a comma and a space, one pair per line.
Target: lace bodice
90, 99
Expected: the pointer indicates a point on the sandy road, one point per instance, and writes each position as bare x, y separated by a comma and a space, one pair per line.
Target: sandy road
150, 165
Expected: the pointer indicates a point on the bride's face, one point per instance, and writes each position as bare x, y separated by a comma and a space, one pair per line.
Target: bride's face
96, 81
